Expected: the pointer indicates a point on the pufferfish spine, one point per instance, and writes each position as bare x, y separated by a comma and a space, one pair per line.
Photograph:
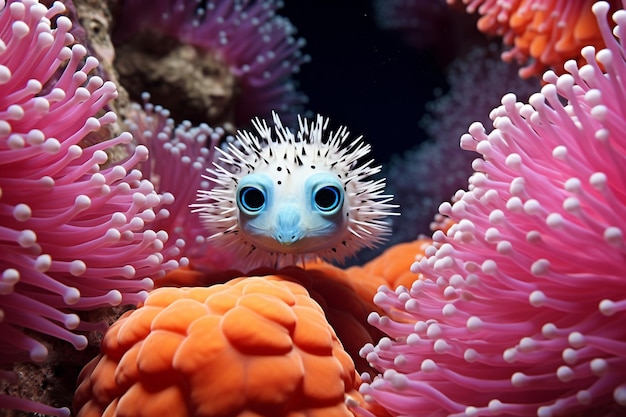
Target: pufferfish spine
280, 199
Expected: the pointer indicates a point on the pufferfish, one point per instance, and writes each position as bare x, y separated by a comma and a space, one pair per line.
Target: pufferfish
280, 199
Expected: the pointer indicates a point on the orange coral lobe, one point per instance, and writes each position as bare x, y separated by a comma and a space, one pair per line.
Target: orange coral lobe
282, 292
216, 387
249, 332
127, 370
221, 302
162, 396
204, 342
273, 380
311, 335
156, 351
125, 336
317, 369
271, 308
176, 316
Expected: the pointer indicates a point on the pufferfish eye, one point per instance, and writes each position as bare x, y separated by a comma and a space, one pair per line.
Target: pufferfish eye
328, 198
251, 199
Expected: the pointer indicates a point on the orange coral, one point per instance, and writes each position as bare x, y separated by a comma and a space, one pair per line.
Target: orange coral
546, 32
258, 346
345, 295
253, 346
392, 268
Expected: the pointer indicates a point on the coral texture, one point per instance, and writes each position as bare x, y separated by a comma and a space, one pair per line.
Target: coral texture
256, 346
74, 234
286, 197
345, 295
255, 43
521, 307
543, 33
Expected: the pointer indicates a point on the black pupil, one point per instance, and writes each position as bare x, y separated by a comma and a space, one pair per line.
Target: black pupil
252, 198
327, 198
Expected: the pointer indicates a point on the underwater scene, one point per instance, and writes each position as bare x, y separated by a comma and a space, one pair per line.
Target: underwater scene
312, 208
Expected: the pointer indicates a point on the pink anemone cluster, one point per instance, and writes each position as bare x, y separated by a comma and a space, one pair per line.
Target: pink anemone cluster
258, 45
74, 228
179, 156
520, 306
476, 81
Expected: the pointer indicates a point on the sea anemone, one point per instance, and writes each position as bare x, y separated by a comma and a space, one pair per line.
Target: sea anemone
178, 157
289, 197
475, 81
543, 33
519, 308
256, 45
74, 230
253, 346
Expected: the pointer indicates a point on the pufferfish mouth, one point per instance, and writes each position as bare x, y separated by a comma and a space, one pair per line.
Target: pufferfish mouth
287, 239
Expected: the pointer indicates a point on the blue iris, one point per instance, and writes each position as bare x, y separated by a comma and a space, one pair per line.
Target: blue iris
251, 199
327, 198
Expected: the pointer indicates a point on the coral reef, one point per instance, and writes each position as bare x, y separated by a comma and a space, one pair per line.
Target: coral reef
253, 346
542, 33
515, 306
213, 62
521, 303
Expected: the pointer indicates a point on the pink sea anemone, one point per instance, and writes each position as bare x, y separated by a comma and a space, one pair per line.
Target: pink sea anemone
73, 230
179, 155
520, 307
475, 81
256, 44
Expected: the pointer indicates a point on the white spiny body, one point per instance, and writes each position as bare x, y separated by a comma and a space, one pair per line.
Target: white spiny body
279, 199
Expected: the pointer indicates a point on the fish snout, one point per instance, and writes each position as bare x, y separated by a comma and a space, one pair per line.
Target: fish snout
288, 226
